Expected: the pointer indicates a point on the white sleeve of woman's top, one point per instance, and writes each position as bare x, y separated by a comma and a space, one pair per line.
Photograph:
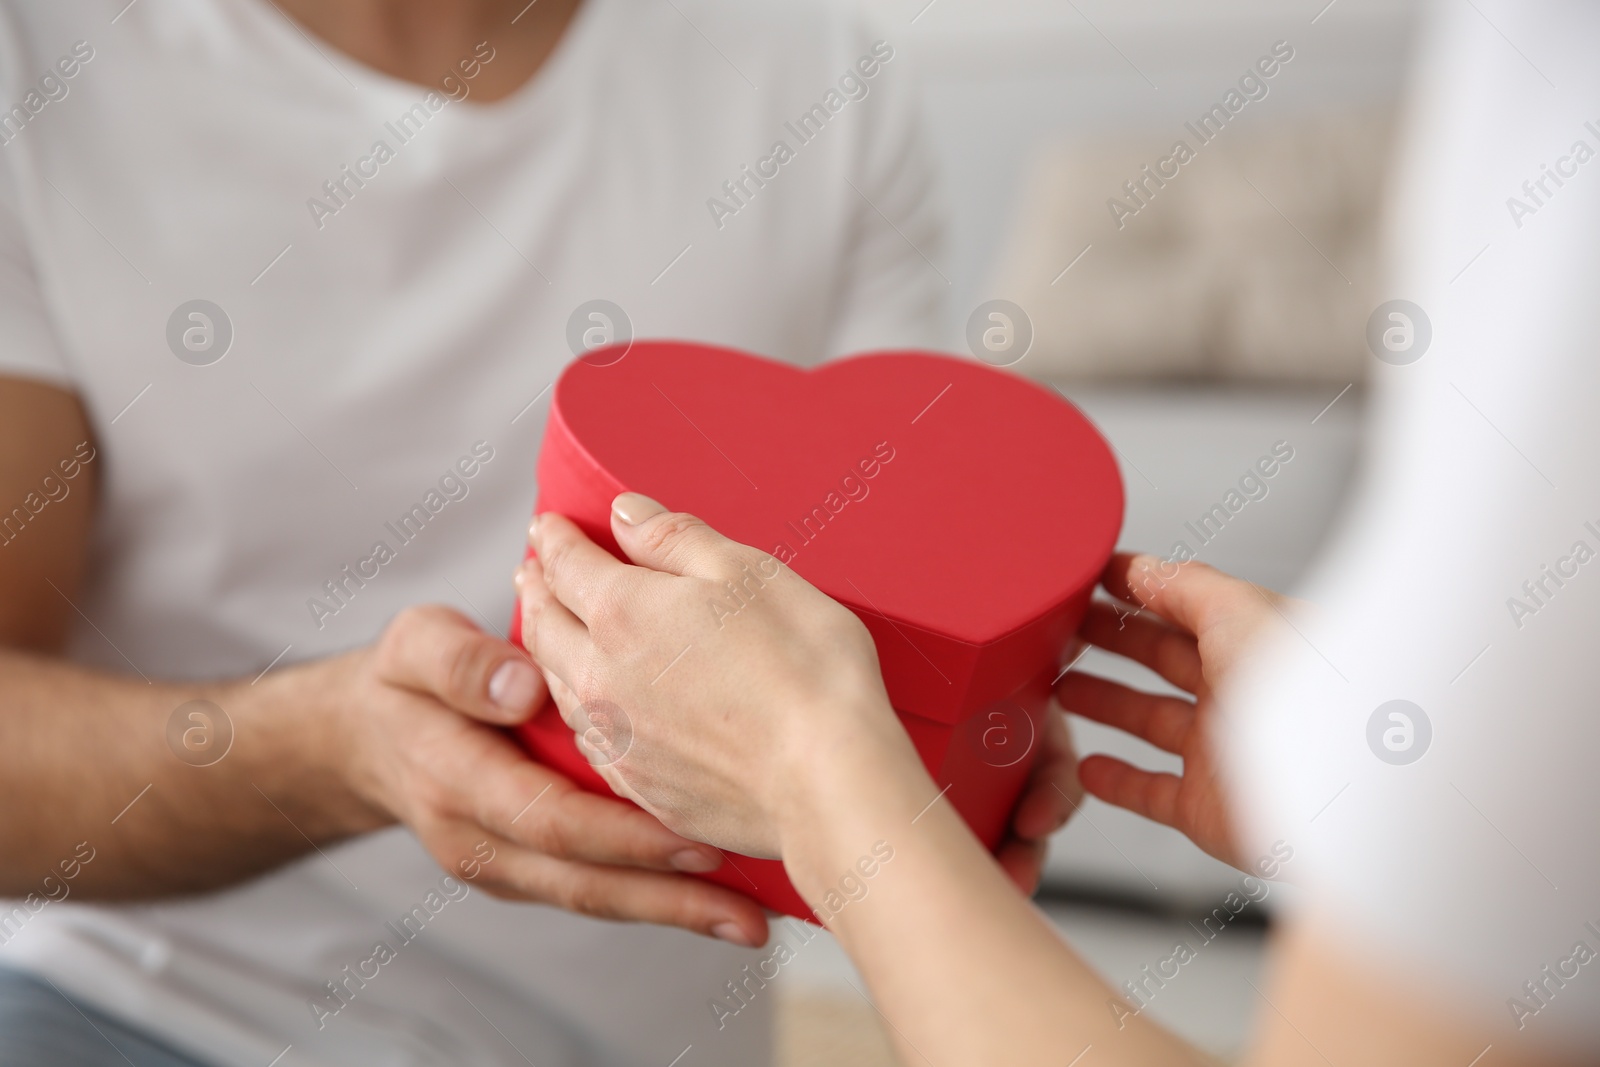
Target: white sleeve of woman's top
1457, 834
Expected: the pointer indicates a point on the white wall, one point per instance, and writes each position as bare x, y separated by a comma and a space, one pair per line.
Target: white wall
1004, 77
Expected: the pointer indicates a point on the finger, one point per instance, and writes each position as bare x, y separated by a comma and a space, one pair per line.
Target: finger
1152, 795
1023, 862
503, 791
555, 637
603, 743
1053, 791
625, 894
1168, 651
1189, 595
1163, 721
577, 570
587, 827
672, 541
436, 650
567, 703
562, 696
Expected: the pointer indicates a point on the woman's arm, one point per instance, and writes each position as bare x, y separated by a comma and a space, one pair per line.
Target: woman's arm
963, 968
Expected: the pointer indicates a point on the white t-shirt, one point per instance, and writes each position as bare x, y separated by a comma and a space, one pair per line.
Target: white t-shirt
394, 311
1464, 841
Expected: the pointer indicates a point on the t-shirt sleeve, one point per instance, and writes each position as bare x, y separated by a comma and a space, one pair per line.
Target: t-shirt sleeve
1427, 741
29, 347
894, 287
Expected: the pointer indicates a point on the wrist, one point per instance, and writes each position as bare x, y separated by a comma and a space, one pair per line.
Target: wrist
851, 777
302, 723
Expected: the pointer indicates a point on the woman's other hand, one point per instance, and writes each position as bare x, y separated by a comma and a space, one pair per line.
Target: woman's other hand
1192, 625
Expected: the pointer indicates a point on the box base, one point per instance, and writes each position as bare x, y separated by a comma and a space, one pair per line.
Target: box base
982, 763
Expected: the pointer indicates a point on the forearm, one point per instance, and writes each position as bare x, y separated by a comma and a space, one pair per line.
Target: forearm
85, 757
962, 967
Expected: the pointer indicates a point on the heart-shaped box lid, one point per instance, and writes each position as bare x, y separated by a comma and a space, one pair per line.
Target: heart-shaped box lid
963, 512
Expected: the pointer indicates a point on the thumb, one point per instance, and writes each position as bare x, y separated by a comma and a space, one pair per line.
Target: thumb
669, 541
436, 651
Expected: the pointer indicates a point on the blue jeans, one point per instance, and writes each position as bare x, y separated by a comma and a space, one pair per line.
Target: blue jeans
42, 1027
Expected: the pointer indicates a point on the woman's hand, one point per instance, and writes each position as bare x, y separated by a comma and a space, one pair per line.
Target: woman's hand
1191, 624
808, 655
711, 684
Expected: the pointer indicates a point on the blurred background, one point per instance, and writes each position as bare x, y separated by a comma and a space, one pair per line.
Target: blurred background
1225, 315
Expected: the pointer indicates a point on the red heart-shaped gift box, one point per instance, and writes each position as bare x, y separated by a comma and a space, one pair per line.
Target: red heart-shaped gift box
962, 512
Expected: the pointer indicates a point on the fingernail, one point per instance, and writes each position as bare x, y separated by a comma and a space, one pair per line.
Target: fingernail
694, 861
634, 508
512, 684
1144, 562
533, 532
733, 934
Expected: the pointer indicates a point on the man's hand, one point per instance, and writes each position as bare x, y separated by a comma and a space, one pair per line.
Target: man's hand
1051, 796
1191, 626
421, 742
